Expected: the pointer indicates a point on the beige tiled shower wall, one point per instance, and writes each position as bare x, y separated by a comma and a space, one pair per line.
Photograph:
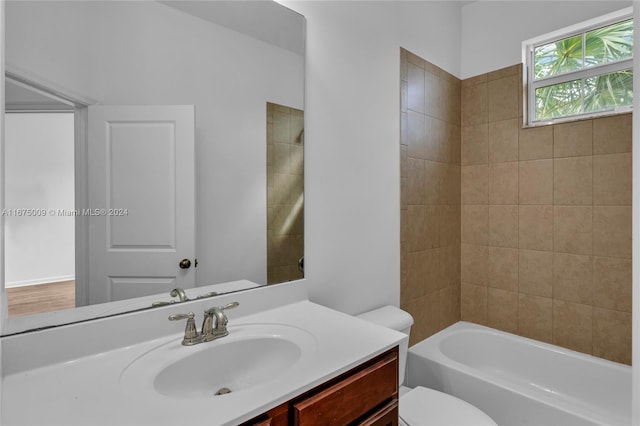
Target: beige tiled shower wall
430, 195
546, 222
285, 181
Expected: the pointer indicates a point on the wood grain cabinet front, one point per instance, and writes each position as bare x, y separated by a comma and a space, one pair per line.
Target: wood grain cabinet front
366, 395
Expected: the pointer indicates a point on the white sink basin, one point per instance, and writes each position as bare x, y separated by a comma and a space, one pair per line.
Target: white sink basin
250, 356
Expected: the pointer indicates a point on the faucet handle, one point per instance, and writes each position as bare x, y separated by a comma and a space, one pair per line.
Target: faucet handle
231, 305
191, 336
178, 317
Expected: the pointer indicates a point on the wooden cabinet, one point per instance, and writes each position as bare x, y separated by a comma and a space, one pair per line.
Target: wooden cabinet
366, 395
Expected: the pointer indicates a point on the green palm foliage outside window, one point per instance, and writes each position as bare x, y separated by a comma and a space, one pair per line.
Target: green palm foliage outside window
599, 92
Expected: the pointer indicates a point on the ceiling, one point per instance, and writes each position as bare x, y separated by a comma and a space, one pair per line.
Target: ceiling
265, 20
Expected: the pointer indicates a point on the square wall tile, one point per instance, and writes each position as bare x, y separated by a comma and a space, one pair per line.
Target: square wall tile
513, 70
472, 81
503, 226
474, 104
535, 273
416, 135
404, 226
433, 95
475, 184
503, 183
475, 224
612, 335
612, 179
474, 264
404, 158
452, 102
404, 93
449, 306
573, 278
433, 183
404, 63
535, 143
573, 229
572, 326
612, 231
435, 140
404, 191
414, 59
451, 186
473, 303
612, 283
454, 142
503, 98
535, 317
503, 268
502, 310
417, 218
449, 225
475, 144
416, 181
573, 181
535, 182
417, 270
535, 227
415, 88
503, 141
424, 311
432, 231
612, 134
449, 267
573, 139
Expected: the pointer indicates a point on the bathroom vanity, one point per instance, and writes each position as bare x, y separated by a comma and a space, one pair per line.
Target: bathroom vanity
365, 395
285, 361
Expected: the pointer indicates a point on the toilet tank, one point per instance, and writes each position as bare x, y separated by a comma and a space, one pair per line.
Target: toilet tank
395, 319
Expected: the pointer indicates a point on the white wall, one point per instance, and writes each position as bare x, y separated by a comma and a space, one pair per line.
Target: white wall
493, 31
352, 168
39, 173
145, 53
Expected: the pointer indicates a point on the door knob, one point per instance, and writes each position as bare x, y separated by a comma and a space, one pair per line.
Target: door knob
185, 264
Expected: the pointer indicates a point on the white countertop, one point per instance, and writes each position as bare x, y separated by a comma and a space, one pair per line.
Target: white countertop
88, 391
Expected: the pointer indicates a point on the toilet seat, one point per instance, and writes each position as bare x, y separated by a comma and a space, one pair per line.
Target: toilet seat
427, 407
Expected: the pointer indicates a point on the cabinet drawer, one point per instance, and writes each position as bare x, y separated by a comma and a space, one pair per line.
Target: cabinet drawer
386, 416
351, 397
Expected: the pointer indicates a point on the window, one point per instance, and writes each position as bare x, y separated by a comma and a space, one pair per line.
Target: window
585, 70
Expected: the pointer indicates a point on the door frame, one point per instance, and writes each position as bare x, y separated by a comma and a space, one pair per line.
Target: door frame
78, 105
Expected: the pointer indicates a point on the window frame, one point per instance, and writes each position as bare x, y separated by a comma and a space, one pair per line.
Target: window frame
530, 84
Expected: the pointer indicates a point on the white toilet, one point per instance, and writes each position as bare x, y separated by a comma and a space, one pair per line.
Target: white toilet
423, 406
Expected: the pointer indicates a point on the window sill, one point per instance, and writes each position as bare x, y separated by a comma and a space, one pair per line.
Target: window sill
579, 117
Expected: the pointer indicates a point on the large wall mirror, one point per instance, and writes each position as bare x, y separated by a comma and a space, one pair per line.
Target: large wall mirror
149, 146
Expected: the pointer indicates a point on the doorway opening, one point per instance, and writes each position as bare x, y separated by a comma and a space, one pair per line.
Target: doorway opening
40, 194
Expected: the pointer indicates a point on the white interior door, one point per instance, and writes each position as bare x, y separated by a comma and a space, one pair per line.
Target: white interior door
142, 200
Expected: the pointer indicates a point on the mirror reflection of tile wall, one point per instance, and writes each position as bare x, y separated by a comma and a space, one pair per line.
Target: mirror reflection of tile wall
285, 196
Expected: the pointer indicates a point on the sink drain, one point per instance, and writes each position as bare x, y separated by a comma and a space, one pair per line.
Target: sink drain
223, 391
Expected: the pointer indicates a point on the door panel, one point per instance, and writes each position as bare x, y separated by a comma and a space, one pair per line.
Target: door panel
141, 200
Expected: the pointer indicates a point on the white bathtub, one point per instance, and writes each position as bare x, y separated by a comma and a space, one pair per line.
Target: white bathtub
519, 381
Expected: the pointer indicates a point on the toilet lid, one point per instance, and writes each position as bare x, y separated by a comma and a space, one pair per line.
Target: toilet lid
427, 407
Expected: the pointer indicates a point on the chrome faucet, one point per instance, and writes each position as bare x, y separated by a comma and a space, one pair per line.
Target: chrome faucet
179, 293
216, 315
214, 325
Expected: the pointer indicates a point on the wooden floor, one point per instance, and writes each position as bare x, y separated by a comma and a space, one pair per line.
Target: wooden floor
40, 298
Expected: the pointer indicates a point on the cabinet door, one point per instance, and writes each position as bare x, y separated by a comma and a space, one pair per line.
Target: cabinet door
352, 397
